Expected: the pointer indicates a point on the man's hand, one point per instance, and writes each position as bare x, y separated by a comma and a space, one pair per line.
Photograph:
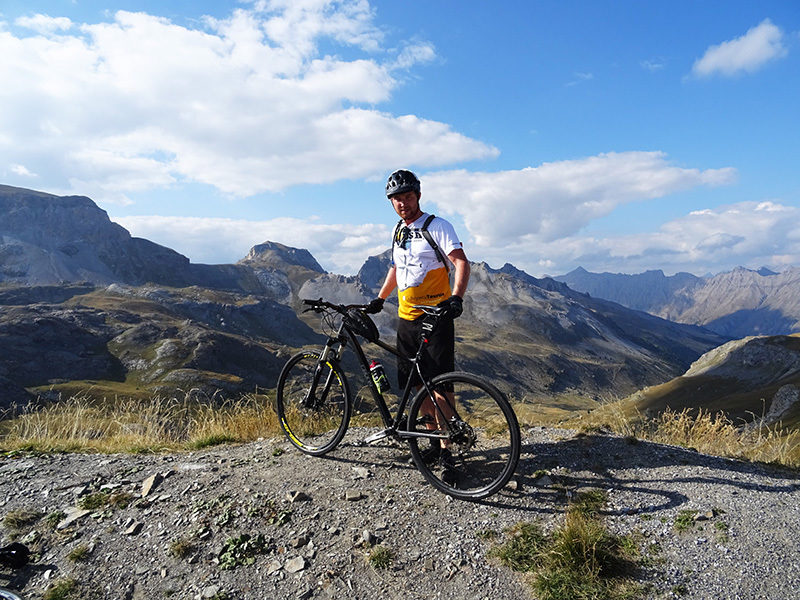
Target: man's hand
454, 306
375, 306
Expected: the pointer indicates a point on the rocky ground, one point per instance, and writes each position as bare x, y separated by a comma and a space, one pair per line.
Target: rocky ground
172, 525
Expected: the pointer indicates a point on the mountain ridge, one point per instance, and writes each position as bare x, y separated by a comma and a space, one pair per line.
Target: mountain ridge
736, 303
537, 337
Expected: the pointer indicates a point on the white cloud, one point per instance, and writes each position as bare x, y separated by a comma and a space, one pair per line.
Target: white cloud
532, 218
22, 171
747, 53
750, 234
652, 65
556, 200
338, 247
44, 24
247, 104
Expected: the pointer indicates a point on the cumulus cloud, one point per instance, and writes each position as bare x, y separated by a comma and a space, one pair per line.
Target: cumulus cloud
247, 104
533, 218
555, 200
338, 247
750, 234
44, 24
747, 53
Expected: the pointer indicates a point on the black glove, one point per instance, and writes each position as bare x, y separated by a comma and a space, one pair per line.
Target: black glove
454, 306
375, 306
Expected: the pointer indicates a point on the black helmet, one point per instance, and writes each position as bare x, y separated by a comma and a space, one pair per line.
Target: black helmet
401, 181
360, 323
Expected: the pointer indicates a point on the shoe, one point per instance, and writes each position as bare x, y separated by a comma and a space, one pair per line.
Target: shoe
448, 467
429, 455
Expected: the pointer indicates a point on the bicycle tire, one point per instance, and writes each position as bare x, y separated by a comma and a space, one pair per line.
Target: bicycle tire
485, 444
314, 427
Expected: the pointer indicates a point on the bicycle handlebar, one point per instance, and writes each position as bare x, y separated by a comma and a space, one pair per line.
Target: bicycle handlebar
320, 304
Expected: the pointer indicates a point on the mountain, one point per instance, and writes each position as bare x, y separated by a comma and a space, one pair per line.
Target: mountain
85, 306
49, 240
46, 239
735, 304
751, 380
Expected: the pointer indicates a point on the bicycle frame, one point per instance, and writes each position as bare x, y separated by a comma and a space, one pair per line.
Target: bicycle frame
393, 424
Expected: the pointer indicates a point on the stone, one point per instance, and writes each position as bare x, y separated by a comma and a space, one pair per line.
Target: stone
295, 565
295, 496
299, 541
361, 472
72, 515
134, 528
151, 483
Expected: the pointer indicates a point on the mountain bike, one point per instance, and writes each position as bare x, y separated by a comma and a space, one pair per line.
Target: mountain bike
457, 411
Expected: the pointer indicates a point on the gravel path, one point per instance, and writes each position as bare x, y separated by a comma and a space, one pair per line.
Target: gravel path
312, 522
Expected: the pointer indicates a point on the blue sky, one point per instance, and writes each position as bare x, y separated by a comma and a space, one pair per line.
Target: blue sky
618, 136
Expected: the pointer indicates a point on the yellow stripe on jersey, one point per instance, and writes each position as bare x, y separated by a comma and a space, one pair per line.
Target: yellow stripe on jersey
433, 289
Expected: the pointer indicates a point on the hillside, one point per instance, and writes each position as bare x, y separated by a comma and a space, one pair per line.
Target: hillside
171, 327
735, 304
753, 380
170, 525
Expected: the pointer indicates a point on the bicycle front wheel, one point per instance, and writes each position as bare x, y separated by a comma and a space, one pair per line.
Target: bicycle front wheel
476, 451
313, 403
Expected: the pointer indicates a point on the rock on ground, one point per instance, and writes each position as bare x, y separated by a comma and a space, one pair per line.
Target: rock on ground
261, 520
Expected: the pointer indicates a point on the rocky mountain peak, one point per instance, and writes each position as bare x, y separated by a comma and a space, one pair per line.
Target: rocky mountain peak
275, 255
48, 239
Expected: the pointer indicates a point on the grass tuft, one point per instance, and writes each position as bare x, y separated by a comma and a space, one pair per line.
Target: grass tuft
380, 557
21, 518
580, 560
65, 589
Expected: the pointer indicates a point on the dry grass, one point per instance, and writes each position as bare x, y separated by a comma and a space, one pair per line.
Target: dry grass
710, 433
83, 425
161, 424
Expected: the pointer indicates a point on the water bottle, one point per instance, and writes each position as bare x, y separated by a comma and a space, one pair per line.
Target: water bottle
379, 376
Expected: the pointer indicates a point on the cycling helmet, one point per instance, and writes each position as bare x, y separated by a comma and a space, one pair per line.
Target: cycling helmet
402, 181
361, 324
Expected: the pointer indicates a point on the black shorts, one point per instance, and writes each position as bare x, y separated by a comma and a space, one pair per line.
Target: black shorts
439, 355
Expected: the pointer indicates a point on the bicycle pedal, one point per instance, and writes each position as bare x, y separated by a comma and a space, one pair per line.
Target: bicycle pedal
377, 437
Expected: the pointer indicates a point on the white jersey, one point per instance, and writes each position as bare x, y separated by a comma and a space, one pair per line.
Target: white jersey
421, 277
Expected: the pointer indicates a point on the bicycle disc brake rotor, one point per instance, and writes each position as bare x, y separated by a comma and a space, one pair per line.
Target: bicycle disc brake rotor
462, 436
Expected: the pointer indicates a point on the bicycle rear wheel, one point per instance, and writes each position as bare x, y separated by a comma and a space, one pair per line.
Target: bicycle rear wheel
313, 404
483, 437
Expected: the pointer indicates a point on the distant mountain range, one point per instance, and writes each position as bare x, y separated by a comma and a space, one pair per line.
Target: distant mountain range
86, 308
734, 304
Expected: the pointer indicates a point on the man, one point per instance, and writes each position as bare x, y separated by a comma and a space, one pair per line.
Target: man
421, 274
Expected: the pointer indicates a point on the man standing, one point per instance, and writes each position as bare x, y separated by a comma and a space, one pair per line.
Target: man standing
420, 272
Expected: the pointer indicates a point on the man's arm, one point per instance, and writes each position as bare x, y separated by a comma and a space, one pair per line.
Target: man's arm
462, 269
389, 284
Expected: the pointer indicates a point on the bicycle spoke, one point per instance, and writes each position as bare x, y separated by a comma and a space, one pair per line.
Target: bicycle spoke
482, 437
313, 407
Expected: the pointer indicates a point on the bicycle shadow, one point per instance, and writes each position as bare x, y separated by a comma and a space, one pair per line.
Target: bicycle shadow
550, 473
16, 580
554, 471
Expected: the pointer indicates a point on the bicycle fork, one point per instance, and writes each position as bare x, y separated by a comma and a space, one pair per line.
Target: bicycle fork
311, 399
